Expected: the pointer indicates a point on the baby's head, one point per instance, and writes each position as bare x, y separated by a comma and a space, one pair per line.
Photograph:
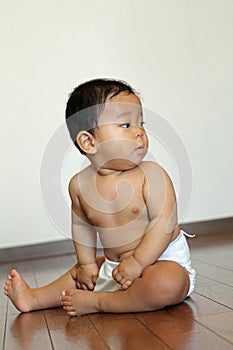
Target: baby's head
86, 103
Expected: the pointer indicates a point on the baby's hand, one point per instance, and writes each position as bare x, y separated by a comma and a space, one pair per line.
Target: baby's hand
127, 271
87, 276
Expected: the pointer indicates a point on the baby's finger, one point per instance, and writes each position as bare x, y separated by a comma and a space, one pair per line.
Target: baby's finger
84, 287
78, 285
118, 277
94, 279
115, 272
90, 285
123, 280
126, 285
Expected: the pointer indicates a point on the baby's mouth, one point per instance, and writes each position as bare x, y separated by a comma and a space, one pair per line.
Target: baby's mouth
140, 149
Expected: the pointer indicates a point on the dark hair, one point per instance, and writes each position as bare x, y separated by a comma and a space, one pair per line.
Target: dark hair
87, 101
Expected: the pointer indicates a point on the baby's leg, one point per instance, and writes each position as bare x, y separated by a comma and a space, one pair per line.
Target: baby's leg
162, 284
28, 299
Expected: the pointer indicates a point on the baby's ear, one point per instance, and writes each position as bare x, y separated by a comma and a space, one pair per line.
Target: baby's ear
86, 142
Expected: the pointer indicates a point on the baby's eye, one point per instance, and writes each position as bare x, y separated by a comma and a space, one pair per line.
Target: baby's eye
125, 125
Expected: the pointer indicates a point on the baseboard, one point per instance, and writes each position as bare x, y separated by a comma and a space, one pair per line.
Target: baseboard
209, 227
65, 247
37, 251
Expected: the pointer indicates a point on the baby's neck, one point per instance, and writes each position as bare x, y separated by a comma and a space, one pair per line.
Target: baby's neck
106, 172
114, 169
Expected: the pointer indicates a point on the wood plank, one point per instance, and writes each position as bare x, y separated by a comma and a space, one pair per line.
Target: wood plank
49, 269
72, 332
222, 257
27, 331
3, 318
212, 315
219, 292
181, 331
200, 306
4, 271
124, 331
214, 272
221, 324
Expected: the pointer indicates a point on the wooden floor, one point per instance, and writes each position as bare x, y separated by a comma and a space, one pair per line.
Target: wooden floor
204, 321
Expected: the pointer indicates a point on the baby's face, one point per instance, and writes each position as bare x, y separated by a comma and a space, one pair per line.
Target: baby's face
120, 136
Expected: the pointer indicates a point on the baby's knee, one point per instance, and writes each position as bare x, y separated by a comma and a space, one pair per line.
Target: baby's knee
170, 287
157, 286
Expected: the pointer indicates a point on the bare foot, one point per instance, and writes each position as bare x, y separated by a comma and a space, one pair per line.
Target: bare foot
19, 292
79, 302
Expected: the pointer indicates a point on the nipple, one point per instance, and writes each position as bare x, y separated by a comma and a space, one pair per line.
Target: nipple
135, 210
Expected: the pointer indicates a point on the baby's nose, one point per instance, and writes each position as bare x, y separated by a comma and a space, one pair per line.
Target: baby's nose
139, 131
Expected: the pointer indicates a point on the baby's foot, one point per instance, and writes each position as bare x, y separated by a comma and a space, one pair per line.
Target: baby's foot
19, 292
79, 302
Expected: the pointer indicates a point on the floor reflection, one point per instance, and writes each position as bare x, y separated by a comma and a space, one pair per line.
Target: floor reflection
174, 326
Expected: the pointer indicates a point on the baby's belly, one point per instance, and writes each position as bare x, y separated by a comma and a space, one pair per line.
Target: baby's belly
122, 252
123, 238
119, 235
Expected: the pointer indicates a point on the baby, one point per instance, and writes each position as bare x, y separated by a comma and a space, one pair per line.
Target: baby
130, 203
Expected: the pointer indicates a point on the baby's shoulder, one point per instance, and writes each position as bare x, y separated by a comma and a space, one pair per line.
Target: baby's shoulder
151, 166
154, 172
74, 183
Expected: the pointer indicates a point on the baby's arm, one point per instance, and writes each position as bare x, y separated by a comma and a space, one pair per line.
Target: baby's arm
87, 271
161, 205
84, 237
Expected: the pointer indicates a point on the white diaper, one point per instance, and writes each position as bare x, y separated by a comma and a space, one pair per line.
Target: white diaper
177, 251
105, 282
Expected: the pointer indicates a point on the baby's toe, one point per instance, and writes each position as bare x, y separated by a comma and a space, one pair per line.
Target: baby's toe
68, 308
72, 313
65, 298
68, 292
66, 303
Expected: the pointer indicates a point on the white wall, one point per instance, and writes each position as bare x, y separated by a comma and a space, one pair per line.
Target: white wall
177, 53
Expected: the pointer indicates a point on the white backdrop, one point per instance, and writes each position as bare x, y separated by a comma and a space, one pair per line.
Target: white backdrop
177, 53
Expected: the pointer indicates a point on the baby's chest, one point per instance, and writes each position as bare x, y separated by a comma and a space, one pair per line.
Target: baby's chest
113, 211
